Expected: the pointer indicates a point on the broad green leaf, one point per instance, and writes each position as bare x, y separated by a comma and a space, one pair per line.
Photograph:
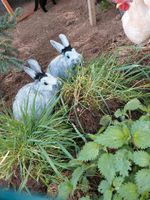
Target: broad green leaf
117, 182
133, 104
119, 113
108, 195
141, 133
89, 152
76, 176
92, 136
114, 137
117, 197
145, 196
106, 166
128, 191
64, 190
75, 163
143, 180
104, 186
122, 163
141, 158
105, 120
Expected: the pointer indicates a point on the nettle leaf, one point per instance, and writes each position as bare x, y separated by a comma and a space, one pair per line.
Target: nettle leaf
76, 176
104, 186
107, 195
133, 104
119, 113
141, 133
117, 197
123, 165
90, 151
117, 182
142, 179
75, 163
114, 137
106, 165
64, 190
128, 191
105, 120
141, 158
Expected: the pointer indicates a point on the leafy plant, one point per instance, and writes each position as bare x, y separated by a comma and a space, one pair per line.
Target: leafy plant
38, 149
103, 80
8, 53
119, 156
104, 4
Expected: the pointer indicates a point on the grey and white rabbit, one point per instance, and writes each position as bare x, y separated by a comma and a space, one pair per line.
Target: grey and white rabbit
64, 65
37, 95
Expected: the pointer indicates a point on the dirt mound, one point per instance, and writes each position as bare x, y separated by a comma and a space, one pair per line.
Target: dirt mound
70, 17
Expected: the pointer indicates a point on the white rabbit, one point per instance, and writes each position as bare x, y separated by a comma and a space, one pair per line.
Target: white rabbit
37, 95
64, 65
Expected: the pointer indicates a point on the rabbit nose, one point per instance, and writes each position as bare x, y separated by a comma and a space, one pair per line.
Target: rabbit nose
76, 61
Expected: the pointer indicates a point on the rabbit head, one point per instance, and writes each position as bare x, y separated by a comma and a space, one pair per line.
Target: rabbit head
71, 56
43, 81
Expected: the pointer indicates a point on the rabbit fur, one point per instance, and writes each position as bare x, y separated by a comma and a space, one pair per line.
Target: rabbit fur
64, 65
37, 95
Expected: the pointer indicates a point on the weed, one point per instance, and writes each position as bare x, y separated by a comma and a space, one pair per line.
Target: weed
38, 148
119, 156
103, 80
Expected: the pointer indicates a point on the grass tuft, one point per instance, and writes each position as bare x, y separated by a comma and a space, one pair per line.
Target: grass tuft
38, 149
103, 80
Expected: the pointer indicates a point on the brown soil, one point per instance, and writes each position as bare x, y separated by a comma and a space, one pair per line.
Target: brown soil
32, 36
86, 120
15, 182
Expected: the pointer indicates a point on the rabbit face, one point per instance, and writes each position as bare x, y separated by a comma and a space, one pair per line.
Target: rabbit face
47, 82
73, 58
43, 81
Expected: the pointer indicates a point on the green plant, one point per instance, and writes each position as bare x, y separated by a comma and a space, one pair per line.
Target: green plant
37, 149
103, 80
119, 156
104, 4
8, 53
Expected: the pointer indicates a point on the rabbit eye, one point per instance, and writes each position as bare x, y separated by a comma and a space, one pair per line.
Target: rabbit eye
45, 83
68, 56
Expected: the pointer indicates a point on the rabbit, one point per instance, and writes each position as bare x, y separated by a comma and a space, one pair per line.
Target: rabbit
37, 95
65, 64
42, 4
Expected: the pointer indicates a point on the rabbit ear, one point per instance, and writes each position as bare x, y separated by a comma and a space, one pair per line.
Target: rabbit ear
30, 72
64, 40
34, 65
59, 47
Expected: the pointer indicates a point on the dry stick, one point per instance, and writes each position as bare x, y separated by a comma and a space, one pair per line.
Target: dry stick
25, 16
92, 12
11, 12
8, 7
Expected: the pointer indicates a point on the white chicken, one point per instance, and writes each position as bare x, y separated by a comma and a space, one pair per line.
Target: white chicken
136, 19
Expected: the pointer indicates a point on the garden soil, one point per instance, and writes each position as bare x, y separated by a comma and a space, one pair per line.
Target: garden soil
32, 35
